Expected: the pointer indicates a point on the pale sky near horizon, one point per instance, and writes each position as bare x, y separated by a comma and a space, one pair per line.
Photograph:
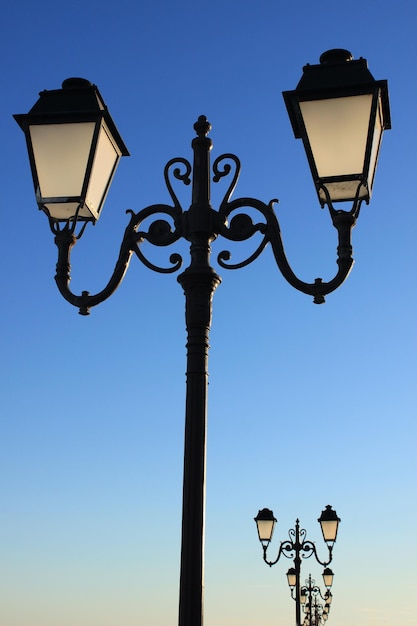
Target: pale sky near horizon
308, 405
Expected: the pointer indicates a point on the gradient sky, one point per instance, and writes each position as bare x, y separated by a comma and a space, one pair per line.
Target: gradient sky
309, 405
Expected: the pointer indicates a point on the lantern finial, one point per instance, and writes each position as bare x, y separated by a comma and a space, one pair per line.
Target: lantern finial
337, 55
76, 83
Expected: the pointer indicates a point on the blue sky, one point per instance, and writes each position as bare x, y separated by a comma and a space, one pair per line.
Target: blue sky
309, 405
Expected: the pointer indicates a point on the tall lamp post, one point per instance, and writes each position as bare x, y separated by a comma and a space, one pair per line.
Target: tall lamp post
337, 109
297, 547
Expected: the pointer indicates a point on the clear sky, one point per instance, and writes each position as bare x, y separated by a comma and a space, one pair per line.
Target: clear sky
309, 405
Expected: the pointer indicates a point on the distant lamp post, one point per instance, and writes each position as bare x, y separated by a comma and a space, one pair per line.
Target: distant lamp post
74, 148
311, 602
298, 548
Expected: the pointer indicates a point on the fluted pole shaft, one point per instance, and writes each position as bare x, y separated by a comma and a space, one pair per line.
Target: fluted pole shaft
199, 282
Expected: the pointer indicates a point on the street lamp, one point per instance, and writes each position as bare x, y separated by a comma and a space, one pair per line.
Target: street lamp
315, 612
74, 148
297, 548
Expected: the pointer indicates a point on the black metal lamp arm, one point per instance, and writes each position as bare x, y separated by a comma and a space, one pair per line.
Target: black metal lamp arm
285, 546
161, 232
309, 546
289, 549
241, 227
65, 241
313, 591
343, 222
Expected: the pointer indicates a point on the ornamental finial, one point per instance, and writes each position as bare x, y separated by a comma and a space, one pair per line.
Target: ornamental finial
202, 126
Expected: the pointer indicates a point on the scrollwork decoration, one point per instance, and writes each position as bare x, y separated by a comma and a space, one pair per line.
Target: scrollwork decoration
161, 232
162, 225
240, 227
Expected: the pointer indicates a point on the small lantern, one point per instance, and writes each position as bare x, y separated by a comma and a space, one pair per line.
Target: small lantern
328, 577
292, 577
329, 523
74, 148
265, 523
328, 596
340, 113
303, 595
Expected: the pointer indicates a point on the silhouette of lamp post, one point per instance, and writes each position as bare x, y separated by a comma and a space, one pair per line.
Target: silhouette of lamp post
297, 547
310, 596
338, 110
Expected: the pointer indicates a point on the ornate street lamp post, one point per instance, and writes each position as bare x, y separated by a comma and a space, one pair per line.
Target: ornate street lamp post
315, 612
297, 547
74, 148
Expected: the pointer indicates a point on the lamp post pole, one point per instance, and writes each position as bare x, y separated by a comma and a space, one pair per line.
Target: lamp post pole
68, 124
316, 612
297, 565
199, 282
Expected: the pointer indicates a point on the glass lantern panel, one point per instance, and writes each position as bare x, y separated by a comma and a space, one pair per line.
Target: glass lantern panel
61, 154
344, 190
64, 210
329, 529
105, 161
265, 529
376, 142
337, 129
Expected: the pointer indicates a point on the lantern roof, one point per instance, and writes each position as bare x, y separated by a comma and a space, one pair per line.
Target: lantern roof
337, 75
79, 99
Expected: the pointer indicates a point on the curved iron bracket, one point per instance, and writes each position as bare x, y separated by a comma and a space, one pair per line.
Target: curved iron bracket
160, 232
297, 547
164, 224
242, 227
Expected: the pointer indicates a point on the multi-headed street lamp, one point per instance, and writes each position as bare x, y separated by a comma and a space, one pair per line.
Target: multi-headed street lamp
297, 547
340, 113
315, 612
